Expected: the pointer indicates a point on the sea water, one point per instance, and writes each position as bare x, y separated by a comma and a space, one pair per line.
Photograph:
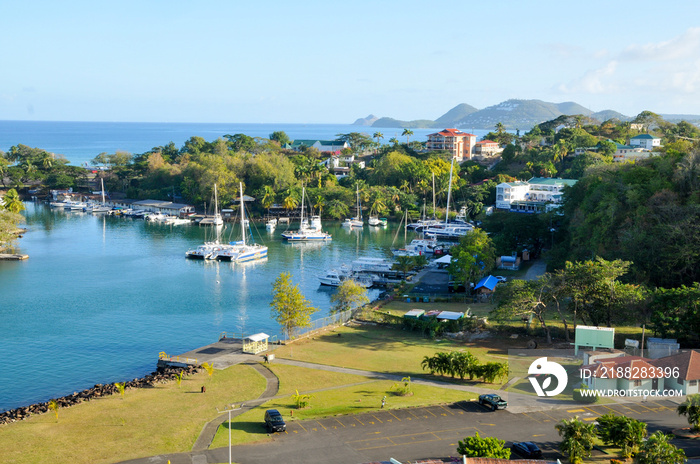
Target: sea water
101, 296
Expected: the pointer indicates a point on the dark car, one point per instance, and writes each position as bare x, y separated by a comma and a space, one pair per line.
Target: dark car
274, 421
494, 401
456, 287
527, 449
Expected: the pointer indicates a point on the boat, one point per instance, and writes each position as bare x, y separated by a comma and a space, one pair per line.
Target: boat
424, 223
334, 278
207, 249
448, 230
417, 247
357, 220
240, 251
100, 207
372, 265
307, 231
377, 221
271, 224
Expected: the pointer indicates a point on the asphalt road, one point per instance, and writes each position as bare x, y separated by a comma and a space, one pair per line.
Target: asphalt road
422, 433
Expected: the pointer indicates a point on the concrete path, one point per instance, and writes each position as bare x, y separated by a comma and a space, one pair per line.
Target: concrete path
538, 268
209, 431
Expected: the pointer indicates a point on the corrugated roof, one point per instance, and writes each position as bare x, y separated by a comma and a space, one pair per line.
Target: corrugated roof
551, 181
489, 282
644, 136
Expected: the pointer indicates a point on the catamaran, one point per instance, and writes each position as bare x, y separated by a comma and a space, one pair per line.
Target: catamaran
307, 231
240, 251
207, 249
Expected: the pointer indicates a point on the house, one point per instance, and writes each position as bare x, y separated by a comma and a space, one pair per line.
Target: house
646, 141
487, 148
331, 146
459, 143
486, 286
683, 369
629, 153
620, 373
535, 195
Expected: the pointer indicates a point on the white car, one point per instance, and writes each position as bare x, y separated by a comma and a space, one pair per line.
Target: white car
500, 279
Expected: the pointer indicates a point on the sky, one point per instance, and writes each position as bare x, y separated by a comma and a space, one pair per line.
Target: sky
332, 62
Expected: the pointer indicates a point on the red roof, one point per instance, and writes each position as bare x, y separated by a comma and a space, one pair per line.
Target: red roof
452, 133
487, 141
636, 366
687, 362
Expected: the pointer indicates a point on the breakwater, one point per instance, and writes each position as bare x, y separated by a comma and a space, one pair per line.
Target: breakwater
161, 375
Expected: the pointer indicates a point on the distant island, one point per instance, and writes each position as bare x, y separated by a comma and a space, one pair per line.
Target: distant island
513, 114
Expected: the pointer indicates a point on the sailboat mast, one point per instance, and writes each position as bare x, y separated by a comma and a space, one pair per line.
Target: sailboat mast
240, 186
449, 193
102, 182
433, 195
303, 191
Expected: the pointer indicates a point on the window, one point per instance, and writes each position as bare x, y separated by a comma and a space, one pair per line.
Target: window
692, 383
638, 383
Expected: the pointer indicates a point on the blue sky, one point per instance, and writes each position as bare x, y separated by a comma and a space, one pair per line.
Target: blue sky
332, 62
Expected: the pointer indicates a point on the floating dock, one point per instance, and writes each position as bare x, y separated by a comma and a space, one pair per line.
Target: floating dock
13, 257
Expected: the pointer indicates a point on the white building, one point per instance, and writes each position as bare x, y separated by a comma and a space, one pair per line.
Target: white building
534, 195
645, 141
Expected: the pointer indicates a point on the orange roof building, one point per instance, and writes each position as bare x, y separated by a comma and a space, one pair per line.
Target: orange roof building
459, 143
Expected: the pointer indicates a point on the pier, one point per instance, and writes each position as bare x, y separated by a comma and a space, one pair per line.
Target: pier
13, 257
231, 349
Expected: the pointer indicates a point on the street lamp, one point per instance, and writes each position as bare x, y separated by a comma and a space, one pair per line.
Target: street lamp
229, 428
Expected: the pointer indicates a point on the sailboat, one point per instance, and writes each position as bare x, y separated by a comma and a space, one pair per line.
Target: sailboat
207, 249
102, 207
307, 232
446, 230
240, 251
424, 223
357, 220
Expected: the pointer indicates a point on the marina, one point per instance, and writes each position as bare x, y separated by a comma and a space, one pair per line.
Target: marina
115, 291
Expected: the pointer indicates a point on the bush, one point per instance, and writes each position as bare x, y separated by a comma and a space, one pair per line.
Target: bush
580, 398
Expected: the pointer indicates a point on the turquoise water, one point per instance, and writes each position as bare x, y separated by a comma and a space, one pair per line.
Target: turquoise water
101, 296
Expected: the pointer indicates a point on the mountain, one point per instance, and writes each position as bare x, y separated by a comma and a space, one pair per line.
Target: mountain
609, 114
676, 118
518, 114
368, 121
391, 122
460, 111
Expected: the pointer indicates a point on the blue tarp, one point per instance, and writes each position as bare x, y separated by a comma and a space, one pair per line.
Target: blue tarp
487, 282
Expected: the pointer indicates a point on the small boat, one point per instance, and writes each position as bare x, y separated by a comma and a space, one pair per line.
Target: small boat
377, 221
208, 249
271, 224
373, 265
334, 278
357, 220
417, 247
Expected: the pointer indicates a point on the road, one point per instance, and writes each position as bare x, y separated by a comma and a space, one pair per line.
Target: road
421, 433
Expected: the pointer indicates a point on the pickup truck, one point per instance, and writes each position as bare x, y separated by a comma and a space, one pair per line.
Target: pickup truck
494, 401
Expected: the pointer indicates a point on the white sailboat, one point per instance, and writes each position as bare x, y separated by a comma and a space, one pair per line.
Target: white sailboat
240, 251
101, 207
357, 220
307, 232
447, 230
207, 249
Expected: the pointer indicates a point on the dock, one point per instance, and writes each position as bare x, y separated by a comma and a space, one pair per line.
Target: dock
226, 352
13, 257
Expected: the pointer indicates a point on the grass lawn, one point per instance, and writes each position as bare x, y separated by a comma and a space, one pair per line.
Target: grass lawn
382, 349
146, 422
248, 427
294, 378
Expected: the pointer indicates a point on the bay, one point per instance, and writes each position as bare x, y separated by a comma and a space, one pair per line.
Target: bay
101, 296
80, 142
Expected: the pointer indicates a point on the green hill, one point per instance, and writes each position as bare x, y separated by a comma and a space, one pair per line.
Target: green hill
460, 111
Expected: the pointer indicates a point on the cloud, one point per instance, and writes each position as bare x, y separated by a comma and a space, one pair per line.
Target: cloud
686, 45
594, 81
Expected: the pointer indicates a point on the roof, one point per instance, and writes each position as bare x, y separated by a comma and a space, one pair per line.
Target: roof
450, 315
551, 181
486, 141
160, 204
258, 337
489, 282
311, 142
517, 183
644, 136
452, 133
687, 362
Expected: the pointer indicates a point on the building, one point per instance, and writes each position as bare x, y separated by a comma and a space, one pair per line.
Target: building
629, 153
645, 141
487, 148
460, 144
535, 195
331, 146
155, 206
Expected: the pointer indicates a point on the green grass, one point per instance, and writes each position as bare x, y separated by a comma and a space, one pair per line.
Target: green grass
303, 379
248, 427
146, 422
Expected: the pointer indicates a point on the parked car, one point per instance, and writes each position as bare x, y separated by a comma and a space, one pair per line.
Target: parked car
501, 279
274, 421
456, 287
494, 401
526, 449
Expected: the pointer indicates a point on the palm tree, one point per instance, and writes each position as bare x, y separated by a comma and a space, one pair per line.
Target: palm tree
320, 203
378, 206
578, 438
408, 133
12, 202
337, 209
691, 409
291, 201
268, 198
47, 160
659, 449
394, 141
500, 128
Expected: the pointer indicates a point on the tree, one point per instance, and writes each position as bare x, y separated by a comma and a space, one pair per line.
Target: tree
290, 308
477, 447
8, 226
408, 133
522, 298
691, 409
578, 438
280, 137
337, 209
350, 295
622, 432
658, 450
473, 257
11, 201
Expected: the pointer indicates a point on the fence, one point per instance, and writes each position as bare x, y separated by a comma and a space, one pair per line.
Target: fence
444, 298
333, 319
